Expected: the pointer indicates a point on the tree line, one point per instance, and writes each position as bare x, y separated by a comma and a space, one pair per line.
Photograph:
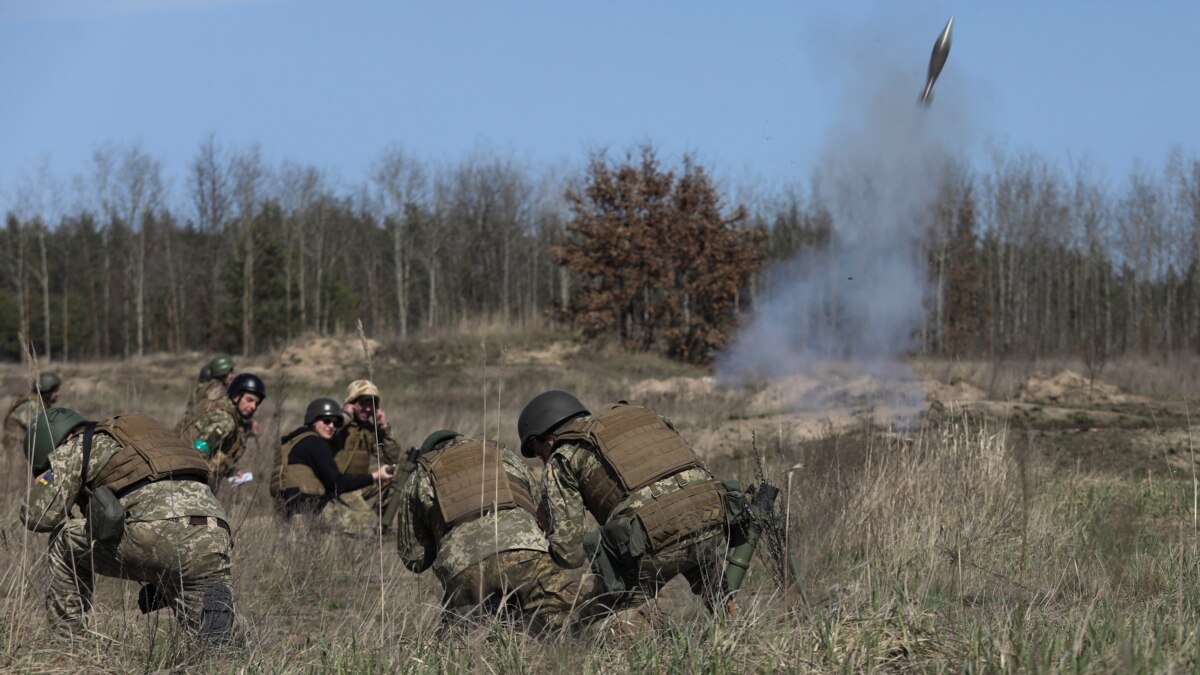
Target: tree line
1023, 257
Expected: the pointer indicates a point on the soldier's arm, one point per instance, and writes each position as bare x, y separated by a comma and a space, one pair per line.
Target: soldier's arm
560, 483
55, 491
390, 451
414, 541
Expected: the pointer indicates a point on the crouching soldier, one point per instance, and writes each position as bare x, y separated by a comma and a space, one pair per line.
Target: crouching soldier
24, 408
220, 427
149, 517
660, 510
467, 510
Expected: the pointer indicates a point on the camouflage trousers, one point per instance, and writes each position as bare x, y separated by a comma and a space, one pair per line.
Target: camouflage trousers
700, 558
180, 561
523, 585
346, 520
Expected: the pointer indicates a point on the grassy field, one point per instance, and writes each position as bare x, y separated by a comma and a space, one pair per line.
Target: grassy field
997, 534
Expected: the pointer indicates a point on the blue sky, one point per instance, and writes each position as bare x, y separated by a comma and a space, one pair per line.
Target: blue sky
751, 88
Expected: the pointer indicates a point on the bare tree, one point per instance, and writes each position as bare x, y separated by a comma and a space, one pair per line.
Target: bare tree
401, 187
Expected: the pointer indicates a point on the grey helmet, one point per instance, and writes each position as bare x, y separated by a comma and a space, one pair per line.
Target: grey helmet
544, 413
320, 407
46, 383
46, 432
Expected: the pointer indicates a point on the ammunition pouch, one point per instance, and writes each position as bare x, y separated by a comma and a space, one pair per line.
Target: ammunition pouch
105, 516
604, 567
677, 514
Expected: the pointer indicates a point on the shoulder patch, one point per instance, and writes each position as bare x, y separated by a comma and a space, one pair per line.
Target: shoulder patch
47, 477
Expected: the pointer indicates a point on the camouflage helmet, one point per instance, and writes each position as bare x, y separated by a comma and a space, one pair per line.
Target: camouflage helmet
46, 383
247, 383
220, 366
544, 413
433, 440
320, 407
44, 434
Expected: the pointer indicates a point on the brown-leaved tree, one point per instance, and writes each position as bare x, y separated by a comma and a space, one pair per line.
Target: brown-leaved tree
655, 259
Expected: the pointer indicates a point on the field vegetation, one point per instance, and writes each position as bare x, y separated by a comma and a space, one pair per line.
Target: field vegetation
989, 532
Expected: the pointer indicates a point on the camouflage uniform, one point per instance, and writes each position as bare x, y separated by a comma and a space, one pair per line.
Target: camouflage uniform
357, 451
203, 396
173, 538
493, 555
220, 426
642, 570
20, 415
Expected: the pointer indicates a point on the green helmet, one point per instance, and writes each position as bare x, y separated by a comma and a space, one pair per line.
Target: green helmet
433, 440
320, 407
220, 366
46, 432
47, 382
543, 413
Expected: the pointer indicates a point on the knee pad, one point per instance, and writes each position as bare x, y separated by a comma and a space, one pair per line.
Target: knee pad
216, 620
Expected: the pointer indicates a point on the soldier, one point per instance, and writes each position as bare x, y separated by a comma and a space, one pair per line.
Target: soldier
660, 510
219, 428
213, 382
365, 444
306, 479
475, 525
151, 518
25, 408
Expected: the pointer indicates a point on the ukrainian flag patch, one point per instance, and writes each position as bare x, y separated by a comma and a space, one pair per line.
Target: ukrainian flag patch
46, 478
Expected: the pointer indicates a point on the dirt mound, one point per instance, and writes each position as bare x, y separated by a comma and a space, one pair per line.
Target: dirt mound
323, 359
686, 388
554, 355
833, 390
1071, 388
955, 392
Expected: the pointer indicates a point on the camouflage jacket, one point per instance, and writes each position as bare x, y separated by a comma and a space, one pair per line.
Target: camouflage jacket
566, 472
204, 395
20, 416
357, 451
56, 490
222, 428
467, 543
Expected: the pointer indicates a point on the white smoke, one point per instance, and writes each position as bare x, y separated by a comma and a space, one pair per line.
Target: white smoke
860, 302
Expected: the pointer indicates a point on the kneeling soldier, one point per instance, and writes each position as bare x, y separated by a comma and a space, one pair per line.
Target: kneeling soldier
660, 510
467, 510
150, 518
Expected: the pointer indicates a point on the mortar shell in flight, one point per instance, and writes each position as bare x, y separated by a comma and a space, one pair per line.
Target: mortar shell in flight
941, 50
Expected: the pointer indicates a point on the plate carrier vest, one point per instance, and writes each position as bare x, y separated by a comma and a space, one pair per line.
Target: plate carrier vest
637, 448
299, 476
468, 479
149, 453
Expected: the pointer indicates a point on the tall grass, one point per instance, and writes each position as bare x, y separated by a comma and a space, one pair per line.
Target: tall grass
953, 546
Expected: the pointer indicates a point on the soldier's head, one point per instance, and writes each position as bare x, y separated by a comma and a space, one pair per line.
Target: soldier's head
47, 431
247, 391
47, 385
205, 374
545, 413
438, 440
221, 368
324, 416
362, 400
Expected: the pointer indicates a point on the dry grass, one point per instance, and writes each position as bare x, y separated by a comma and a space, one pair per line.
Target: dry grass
951, 546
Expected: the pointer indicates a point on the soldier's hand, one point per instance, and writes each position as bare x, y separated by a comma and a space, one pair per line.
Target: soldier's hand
380, 419
383, 475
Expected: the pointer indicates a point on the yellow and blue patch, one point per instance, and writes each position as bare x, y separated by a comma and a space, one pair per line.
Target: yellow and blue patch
46, 478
